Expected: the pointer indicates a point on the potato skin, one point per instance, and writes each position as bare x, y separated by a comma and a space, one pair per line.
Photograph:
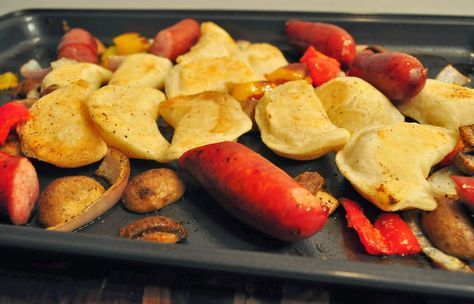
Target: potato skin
449, 229
153, 190
67, 197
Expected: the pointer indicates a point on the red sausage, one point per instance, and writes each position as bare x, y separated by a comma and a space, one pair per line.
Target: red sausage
78, 35
177, 39
329, 39
79, 52
19, 188
397, 75
80, 45
255, 191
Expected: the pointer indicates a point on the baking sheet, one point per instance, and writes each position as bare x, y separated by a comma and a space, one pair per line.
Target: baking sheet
215, 239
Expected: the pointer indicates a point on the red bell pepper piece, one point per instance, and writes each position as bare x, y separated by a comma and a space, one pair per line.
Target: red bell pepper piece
10, 114
448, 160
389, 235
398, 235
465, 189
322, 68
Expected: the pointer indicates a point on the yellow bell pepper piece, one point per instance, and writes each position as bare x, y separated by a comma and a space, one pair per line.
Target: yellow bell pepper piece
294, 71
8, 80
251, 90
131, 43
104, 59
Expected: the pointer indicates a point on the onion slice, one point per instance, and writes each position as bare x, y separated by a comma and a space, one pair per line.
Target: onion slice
442, 183
115, 168
33, 70
449, 74
439, 258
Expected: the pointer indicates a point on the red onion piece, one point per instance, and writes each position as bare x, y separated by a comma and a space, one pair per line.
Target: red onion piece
115, 168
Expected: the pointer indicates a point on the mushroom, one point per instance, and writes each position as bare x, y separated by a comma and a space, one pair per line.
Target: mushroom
158, 229
464, 159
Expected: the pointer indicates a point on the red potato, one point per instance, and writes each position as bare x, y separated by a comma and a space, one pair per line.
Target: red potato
80, 45
255, 191
329, 39
19, 188
397, 75
177, 39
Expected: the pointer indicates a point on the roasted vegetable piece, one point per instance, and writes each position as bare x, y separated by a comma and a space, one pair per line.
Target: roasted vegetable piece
80, 45
66, 198
255, 191
248, 94
464, 158
115, 168
177, 39
329, 39
19, 188
465, 189
130, 43
158, 229
315, 183
321, 67
448, 160
152, 190
398, 236
449, 229
439, 258
397, 75
8, 80
389, 234
10, 114
371, 238
290, 72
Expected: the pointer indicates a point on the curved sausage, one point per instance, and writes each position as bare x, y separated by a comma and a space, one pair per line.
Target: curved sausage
329, 39
397, 75
80, 45
79, 52
177, 39
255, 191
19, 188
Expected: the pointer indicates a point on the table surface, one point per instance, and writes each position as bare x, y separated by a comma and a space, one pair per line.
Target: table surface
27, 277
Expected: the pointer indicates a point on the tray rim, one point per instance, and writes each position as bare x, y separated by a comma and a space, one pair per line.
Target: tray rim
336, 272
352, 273
416, 18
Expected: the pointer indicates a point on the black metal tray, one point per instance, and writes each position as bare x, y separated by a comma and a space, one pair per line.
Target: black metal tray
217, 241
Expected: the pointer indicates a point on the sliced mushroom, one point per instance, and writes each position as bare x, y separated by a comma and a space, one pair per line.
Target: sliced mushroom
464, 159
439, 258
450, 229
152, 190
158, 229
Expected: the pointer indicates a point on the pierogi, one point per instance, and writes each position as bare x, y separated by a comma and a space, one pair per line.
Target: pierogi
441, 104
294, 124
142, 70
389, 165
354, 104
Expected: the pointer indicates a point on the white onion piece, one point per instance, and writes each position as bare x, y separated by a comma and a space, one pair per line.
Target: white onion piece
443, 184
115, 61
115, 168
33, 70
449, 74
439, 258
